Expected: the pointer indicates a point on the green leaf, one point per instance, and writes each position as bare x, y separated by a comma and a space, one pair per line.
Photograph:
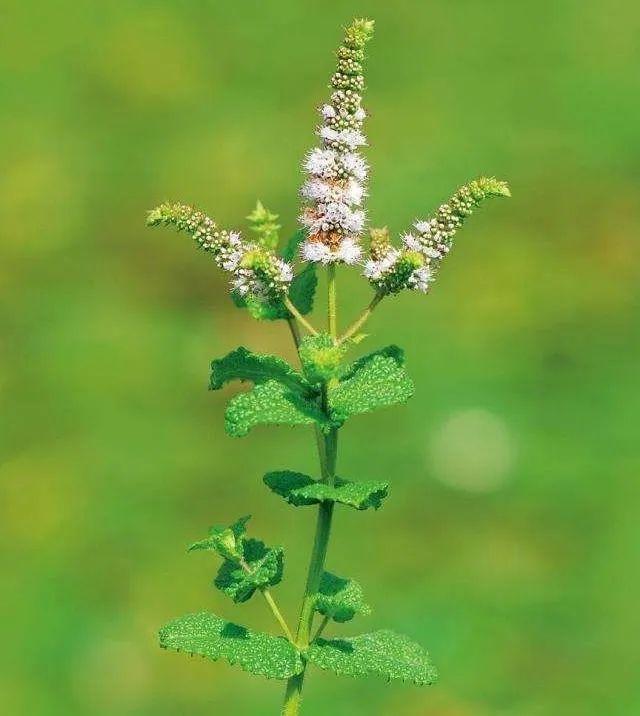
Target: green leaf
228, 542
261, 567
214, 638
381, 653
340, 599
300, 490
291, 249
270, 403
374, 381
320, 357
243, 364
303, 289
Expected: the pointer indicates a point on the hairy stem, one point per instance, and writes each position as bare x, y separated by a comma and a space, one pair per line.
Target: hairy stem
363, 318
331, 303
294, 311
277, 614
327, 453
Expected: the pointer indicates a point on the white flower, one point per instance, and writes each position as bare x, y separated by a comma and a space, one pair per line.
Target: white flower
353, 222
360, 114
352, 138
354, 165
420, 279
423, 227
327, 111
321, 163
411, 242
353, 192
349, 251
329, 134
316, 251
377, 269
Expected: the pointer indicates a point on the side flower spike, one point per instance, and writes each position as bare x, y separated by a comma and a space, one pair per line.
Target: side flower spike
391, 270
335, 188
254, 270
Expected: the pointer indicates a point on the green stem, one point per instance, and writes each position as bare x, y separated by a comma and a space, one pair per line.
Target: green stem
277, 613
363, 318
331, 303
294, 312
328, 453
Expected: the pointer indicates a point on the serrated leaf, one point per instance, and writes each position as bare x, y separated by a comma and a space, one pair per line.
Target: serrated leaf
340, 599
261, 567
243, 364
291, 249
214, 638
374, 381
321, 357
381, 653
303, 290
301, 490
270, 403
228, 542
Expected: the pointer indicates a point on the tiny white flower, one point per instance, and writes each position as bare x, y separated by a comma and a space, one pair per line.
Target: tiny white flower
423, 227
360, 114
353, 222
411, 242
321, 162
352, 138
349, 251
420, 279
355, 165
316, 251
327, 111
329, 134
353, 192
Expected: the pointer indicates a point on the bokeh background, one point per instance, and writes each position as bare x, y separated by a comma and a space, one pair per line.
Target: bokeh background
509, 545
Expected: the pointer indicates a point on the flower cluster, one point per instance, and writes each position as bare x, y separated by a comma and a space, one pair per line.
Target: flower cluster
391, 270
336, 171
255, 270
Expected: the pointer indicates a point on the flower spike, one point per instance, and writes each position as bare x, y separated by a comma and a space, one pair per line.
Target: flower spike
255, 270
391, 270
336, 172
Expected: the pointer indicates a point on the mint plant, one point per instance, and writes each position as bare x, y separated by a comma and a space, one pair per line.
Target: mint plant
328, 388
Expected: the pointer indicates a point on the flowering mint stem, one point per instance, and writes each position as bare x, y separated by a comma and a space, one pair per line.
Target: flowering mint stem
328, 453
364, 317
294, 311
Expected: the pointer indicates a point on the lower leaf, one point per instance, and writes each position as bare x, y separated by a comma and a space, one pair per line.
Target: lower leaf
214, 638
381, 653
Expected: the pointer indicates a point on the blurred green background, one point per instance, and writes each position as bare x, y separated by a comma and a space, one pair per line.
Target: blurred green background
509, 545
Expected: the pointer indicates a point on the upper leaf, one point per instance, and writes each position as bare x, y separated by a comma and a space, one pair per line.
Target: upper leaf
340, 599
214, 638
299, 490
374, 381
243, 364
259, 567
270, 403
228, 542
381, 653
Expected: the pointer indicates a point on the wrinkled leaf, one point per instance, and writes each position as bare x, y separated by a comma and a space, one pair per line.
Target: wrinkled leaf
340, 599
243, 364
261, 567
381, 653
374, 381
214, 638
270, 403
300, 490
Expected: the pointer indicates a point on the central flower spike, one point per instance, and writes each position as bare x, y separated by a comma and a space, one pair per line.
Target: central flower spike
336, 172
